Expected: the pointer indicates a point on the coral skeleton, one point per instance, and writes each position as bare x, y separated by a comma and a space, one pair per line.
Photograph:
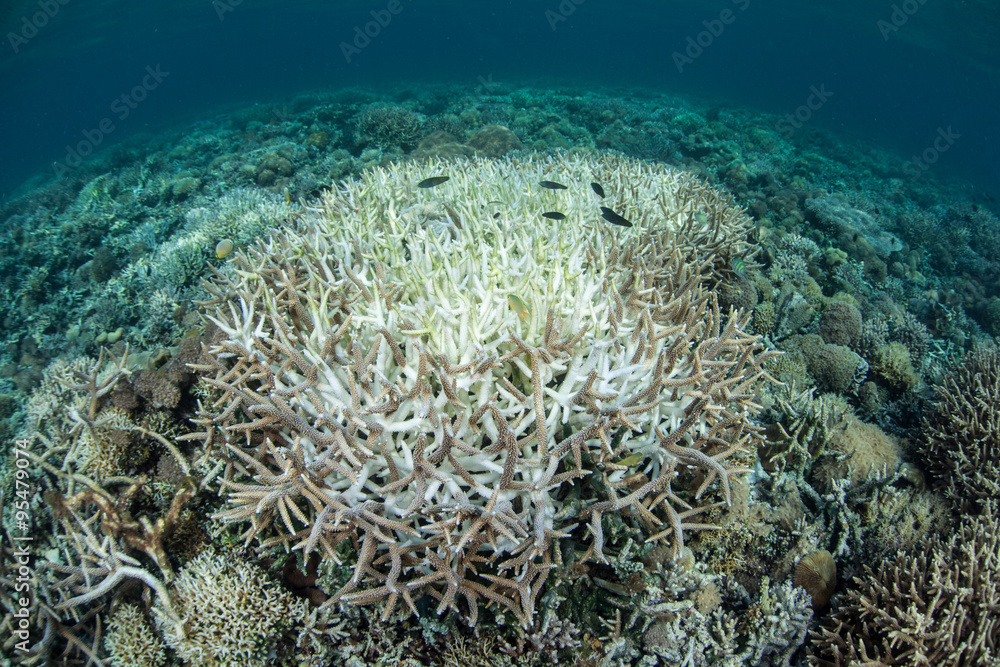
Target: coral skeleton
446, 384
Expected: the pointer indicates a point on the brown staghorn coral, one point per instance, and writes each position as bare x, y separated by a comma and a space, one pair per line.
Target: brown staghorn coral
935, 606
963, 436
451, 384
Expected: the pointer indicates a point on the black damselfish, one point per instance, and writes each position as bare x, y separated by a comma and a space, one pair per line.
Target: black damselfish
614, 218
552, 185
433, 181
596, 187
554, 215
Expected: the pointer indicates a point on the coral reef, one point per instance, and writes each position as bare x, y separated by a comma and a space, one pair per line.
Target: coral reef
440, 403
113, 254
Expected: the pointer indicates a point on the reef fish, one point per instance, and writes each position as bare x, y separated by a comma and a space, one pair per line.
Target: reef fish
739, 267
554, 215
552, 185
223, 248
614, 218
630, 460
519, 306
432, 182
596, 187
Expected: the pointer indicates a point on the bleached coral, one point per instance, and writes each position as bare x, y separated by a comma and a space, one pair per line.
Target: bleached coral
131, 642
232, 614
446, 378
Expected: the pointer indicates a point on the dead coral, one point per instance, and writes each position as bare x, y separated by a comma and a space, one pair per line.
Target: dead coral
103, 533
763, 630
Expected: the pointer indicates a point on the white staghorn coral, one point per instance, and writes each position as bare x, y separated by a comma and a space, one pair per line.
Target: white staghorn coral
453, 382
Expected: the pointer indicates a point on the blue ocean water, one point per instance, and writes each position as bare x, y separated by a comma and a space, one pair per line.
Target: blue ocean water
897, 72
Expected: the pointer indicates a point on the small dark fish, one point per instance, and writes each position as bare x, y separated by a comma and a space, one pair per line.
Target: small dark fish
454, 216
614, 218
432, 182
554, 215
552, 185
596, 187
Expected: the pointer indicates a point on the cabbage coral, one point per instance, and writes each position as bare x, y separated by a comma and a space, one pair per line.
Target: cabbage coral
452, 384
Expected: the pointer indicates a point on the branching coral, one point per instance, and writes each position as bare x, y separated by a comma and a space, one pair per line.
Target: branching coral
452, 383
963, 436
686, 622
104, 533
131, 641
231, 614
936, 606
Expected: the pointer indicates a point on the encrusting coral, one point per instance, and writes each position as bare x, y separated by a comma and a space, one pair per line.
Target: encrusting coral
455, 385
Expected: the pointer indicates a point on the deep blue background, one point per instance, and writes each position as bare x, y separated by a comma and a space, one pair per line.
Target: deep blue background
936, 71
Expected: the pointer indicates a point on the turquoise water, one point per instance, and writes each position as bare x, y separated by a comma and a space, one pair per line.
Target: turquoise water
894, 84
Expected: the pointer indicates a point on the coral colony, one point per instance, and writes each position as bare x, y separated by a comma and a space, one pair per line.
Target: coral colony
455, 386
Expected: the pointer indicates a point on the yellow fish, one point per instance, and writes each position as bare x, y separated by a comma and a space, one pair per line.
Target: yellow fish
519, 306
630, 460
